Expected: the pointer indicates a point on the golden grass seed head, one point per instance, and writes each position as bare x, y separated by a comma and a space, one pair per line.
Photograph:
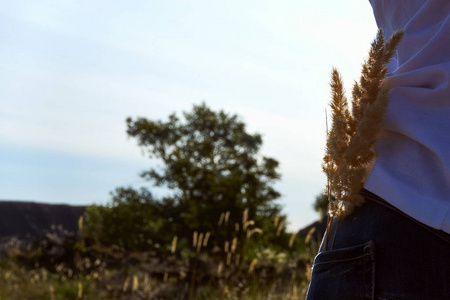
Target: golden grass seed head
245, 216
126, 283
221, 219
291, 240
206, 239
310, 233
251, 232
226, 246
194, 239
80, 290
248, 223
52, 292
251, 269
234, 245
174, 244
280, 227
135, 285
227, 217
275, 222
80, 223
219, 268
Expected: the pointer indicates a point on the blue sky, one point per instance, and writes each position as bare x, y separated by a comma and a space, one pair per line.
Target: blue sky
72, 71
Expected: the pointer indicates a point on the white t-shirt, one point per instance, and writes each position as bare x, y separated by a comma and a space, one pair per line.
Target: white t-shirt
412, 170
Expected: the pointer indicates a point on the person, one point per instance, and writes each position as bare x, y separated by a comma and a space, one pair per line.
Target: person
397, 244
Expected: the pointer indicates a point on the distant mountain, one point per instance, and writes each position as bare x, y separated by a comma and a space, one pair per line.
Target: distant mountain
30, 220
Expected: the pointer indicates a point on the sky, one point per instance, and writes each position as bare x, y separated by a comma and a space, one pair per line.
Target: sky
71, 72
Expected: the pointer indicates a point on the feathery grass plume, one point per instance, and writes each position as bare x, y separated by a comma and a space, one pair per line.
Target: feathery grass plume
248, 223
194, 239
252, 265
226, 246
309, 235
219, 268
351, 140
234, 245
80, 290
135, 285
275, 222
80, 223
206, 239
245, 216
308, 271
280, 227
126, 284
52, 292
222, 216
174, 244
227, 216
254, 230
291, 240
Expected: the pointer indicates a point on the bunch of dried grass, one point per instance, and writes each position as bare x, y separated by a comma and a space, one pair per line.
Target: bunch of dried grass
350, 143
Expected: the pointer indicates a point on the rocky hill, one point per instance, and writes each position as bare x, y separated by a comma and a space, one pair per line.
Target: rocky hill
29, 220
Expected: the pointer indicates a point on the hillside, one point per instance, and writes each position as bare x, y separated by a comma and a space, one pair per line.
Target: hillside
32, 220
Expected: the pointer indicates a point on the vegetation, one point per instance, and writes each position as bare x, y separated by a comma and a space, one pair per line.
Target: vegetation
133, 220
67, 267
350, 143
218, 235
221, 187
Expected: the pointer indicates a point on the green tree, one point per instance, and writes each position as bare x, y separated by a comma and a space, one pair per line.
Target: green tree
212, 166
133, 220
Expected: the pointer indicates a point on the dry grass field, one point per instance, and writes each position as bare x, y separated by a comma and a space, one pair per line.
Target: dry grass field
67, 267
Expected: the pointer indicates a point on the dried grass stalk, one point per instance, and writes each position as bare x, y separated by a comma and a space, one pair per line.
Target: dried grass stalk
353, 134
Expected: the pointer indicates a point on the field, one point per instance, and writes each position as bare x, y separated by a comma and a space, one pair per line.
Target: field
67, 267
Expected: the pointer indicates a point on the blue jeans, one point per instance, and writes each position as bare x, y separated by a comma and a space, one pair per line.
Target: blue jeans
380, 253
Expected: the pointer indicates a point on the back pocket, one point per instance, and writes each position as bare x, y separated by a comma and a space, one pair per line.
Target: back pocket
347, 273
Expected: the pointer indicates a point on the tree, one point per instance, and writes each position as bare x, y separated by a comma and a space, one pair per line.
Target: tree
213, 166
133, 220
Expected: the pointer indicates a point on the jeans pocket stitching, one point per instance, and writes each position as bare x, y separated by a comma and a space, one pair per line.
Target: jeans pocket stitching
341, 260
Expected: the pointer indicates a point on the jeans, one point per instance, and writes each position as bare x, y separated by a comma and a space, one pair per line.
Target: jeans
380, 253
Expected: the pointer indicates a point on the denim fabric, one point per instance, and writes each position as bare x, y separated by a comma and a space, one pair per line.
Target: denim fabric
380, 253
